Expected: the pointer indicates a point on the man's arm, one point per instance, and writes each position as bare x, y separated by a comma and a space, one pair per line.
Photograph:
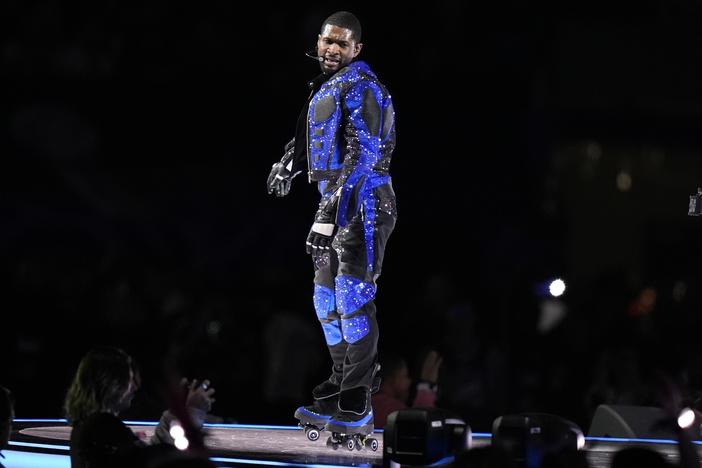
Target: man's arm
427, 387
189, 414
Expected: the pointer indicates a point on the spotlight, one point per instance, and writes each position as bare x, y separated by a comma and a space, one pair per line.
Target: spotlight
557, 287
624, 181
178, 433
182, 443
686, 418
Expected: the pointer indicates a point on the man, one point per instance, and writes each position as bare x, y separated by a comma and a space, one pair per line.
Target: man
345, 136
103, 387
7, 415
395, 389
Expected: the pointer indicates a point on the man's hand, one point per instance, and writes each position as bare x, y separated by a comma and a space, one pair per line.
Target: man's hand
322, 232
199, 395
430, 367
279, 180
320, 238
281, 175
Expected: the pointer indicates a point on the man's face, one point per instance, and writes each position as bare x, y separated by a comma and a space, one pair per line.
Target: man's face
337, 47
402, 384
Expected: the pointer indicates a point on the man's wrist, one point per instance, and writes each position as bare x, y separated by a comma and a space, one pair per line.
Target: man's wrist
426, 385
326, 229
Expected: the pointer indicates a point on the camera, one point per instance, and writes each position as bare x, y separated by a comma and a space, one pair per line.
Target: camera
423, 436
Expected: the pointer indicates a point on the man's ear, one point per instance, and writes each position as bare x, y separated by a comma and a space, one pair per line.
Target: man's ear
357, 49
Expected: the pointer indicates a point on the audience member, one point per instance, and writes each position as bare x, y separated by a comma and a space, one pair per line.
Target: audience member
7, 414
103, 387
394, 390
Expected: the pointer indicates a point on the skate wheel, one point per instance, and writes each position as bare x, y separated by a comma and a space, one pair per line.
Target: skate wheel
332, 444
312, 433
373, 444
350, 444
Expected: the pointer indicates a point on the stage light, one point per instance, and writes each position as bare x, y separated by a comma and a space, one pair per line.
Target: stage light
178, 434
581, 441
182, 443
526, 438
423, 436
557, 287
624, 181
686, 418
177, 431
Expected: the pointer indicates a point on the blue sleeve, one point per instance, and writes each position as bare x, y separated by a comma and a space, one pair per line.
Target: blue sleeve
362, 107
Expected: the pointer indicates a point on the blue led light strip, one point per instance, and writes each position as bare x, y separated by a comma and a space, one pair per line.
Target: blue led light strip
39, 420
33, 460
443, 461
639, 441
45, 446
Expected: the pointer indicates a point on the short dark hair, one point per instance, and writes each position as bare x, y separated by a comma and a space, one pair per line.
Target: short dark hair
100, 382
347, 20
391, 363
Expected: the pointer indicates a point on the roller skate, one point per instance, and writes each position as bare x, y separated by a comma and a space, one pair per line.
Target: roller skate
314, 417
352, 425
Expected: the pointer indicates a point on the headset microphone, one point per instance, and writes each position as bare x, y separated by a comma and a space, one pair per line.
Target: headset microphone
313, 55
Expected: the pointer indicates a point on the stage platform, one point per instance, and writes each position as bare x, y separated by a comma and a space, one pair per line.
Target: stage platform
44, 443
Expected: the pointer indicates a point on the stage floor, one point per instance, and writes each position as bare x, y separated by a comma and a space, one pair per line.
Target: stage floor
44, 443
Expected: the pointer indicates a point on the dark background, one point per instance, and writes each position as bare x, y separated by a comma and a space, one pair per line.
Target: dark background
534, 142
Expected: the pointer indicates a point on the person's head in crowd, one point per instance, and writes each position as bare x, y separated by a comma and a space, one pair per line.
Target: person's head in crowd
396, 381
105, 382
7, 414
638, 457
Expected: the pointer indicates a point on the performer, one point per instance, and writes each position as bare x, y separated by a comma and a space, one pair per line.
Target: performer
345, 136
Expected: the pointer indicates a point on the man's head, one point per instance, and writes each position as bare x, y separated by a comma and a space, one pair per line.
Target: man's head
339, 41
7, 414
105, 382
396, 380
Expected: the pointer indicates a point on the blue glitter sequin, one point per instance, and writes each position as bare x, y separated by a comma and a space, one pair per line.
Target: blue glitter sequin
332, 333
352, 293
355, 328
324, 303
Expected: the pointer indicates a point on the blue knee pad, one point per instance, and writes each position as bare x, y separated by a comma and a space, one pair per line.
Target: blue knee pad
355, 328
324, 304
352, 294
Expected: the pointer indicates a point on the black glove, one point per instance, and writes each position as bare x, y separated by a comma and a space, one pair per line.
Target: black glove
322, 232
279, 180
320, 238
281, 175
